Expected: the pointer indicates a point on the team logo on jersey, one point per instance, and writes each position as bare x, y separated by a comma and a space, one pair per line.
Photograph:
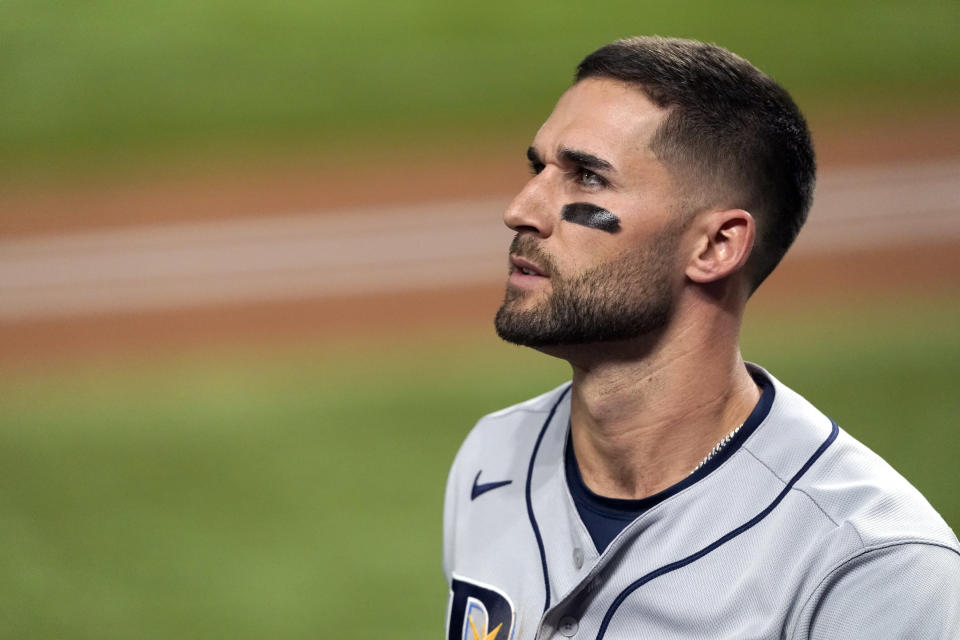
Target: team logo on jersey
478, 612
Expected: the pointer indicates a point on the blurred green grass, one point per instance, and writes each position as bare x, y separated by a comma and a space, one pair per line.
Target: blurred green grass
298, 494
117, 80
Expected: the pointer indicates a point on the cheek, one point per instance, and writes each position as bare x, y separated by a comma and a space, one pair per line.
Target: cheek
590, 216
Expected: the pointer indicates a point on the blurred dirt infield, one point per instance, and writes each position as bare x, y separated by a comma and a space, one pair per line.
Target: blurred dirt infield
917, 269
399, 177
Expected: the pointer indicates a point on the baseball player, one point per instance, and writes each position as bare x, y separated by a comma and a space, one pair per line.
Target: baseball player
671, 490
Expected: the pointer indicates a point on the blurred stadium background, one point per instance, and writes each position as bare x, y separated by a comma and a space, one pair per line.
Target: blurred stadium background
249, 257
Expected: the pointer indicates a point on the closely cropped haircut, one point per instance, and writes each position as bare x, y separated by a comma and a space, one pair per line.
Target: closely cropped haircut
733, 137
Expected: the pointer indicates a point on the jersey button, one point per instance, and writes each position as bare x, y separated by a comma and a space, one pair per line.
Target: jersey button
568, 627
577, 557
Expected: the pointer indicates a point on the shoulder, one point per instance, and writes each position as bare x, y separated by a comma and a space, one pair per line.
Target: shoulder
543, 403
866, 530
499, 447
858, 494
513, 428
897, 589
856, 488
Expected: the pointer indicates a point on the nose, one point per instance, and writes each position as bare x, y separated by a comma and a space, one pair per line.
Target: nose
530, 210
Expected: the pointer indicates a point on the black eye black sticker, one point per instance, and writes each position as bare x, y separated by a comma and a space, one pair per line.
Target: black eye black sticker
590, 215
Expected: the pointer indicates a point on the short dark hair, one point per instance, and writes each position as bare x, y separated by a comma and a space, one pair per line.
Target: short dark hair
733, 135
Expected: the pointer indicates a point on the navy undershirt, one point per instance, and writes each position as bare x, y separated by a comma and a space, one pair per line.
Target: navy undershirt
607, 517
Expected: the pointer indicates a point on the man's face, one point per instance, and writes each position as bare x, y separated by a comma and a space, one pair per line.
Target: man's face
598, 225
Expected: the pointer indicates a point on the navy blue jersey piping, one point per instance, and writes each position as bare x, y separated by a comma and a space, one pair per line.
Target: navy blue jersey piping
679, 564
533, 519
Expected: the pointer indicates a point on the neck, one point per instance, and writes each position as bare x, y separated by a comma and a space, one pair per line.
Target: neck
643, 421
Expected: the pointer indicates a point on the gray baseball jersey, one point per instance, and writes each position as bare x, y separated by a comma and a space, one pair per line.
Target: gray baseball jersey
797, 531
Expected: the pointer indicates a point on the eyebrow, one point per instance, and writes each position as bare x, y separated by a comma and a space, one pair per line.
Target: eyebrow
585, 160
574, 156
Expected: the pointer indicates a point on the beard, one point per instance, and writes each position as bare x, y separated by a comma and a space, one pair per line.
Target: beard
627, 297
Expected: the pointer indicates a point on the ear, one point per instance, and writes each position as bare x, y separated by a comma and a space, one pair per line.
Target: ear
723, 245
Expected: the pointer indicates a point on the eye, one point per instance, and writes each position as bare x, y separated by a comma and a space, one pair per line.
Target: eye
590, 179
536, 167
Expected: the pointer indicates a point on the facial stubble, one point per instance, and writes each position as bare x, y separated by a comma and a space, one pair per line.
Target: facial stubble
624, 298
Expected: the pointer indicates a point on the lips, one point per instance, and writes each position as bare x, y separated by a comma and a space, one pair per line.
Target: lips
526, 267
